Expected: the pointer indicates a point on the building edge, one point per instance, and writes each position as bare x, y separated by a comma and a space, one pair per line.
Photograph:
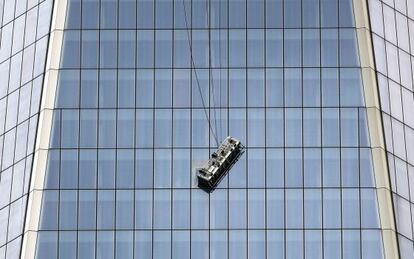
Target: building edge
31, 224
376, 130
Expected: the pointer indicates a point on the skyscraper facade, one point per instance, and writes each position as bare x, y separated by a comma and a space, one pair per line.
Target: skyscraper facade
23, 47
110, 107
393, 41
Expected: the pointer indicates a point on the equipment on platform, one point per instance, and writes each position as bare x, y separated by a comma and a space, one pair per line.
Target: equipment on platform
220, 163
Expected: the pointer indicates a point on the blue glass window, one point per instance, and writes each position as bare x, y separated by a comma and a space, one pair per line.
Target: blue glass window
108, 49
329, 13
237, 87
330, 127
125, 128
105, 212
73, 14
144, 128
274, 87
145, 13
89, 89
46, 246
162, 168
310, 14
311, 87
219, 209
181, 209
293, 127
351, 243
199, 209
107, 89
70, 128
312, 127
181, 128
163, 47
125, 168
127, 46
163, 128
108, 15
331, 208
293, 87
348, 47
350, 208
145, 47
68, 210
90, 49
87, 169
162, 209
90, 14
237, 45
143, 168
143, 209
70, 57
255, 88
145, 88
49, 216
275, 168
331, 167
198, 241
256, 127
255, 46
143, 244
124, 245
106, 168
351, 91
329, 47
311, 48
312, 208
256, 164
68, 89
124, 209
274, 47
332, 243
292, 14
107, 128
292, 46
294, 244
105, 244
86, 244
237, 13
52, 170
163, 88
237, 209
312, 167
255, 13
127, 14
69, 169
87, 209
88, 128
163, 14
350, 167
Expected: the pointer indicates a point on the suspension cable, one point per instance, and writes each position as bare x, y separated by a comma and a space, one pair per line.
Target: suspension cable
220, 67
208, 12
193, 67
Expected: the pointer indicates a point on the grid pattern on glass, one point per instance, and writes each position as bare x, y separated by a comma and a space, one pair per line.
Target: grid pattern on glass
392, 25
23, 45
129, 130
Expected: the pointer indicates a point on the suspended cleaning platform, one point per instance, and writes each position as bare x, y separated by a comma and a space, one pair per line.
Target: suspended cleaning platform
220, 163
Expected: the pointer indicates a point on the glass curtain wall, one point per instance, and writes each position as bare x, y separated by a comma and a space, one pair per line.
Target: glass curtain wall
24, 34
392, 24
129, 130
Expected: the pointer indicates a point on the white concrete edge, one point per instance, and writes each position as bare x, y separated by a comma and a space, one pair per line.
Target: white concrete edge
44, 130
376, 135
